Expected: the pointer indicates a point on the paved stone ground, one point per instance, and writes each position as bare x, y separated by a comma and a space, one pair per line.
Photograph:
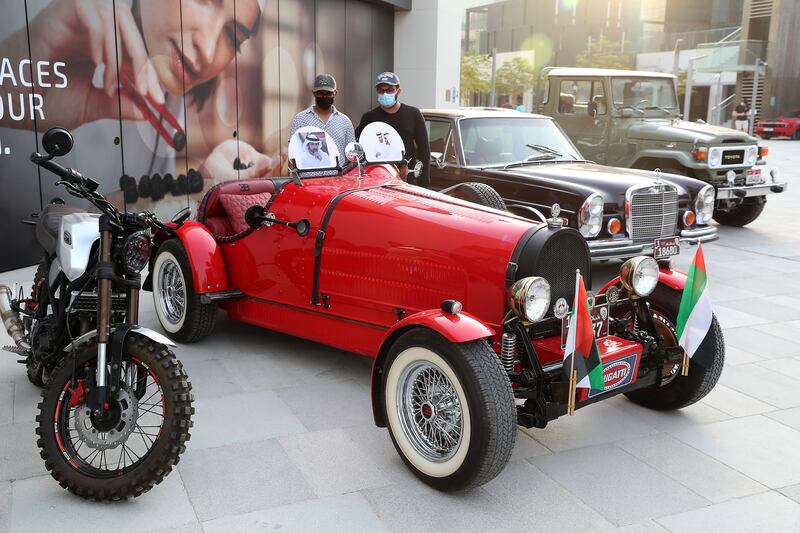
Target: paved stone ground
284, 439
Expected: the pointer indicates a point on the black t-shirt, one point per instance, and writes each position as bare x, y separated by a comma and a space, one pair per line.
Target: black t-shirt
742, 109
410, 125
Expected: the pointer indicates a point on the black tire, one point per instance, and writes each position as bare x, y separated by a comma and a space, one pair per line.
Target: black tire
796, 134
680, 391
196, 319
35, 369
480, 193
743, 214
77, 474
485, 409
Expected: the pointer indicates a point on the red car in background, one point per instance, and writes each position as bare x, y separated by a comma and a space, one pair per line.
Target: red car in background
786, 126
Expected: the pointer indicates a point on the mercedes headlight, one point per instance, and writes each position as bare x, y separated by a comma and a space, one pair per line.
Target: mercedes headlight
752, 155
639, 275
704, 204
530, 298
136, 252
590, 216
715, 157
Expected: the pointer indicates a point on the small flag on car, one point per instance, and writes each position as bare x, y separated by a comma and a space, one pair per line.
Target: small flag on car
693, 327
581, 356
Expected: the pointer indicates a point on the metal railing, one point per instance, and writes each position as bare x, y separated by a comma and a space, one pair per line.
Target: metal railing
664, 42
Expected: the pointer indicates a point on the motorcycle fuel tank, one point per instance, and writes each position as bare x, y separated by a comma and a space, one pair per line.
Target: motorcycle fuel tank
76, 236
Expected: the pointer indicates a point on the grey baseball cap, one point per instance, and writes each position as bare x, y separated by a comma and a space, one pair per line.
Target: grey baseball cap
324, 82
388, 78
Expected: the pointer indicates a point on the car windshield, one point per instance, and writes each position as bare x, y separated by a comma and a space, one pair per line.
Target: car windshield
502, 140
644, 93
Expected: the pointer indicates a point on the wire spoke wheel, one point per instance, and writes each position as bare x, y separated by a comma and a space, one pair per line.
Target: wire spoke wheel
120, 440
129, 446
172, 296
430, 411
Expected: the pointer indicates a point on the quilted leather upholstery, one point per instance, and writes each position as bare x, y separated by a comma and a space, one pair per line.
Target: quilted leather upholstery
236, 205
212, 213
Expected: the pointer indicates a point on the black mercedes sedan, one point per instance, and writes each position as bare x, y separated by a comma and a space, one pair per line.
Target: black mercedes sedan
533, 165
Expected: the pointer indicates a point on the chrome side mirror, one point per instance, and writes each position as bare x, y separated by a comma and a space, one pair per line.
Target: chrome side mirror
354, 152
437, 158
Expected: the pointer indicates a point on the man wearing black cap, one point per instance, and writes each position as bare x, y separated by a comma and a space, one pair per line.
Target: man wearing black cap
324, 115
406, 119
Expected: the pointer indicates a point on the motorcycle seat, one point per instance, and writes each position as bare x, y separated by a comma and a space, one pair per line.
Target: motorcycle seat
217, 219
49, 224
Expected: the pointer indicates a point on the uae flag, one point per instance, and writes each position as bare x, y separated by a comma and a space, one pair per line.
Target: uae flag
580, 343
693, 327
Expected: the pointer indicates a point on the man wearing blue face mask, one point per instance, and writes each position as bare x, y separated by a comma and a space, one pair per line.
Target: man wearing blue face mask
406, 119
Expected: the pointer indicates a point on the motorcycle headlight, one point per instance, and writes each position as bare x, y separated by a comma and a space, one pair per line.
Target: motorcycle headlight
704, 204
590, 216
530, 298
639, 275
714, 157
752, 155
136, 252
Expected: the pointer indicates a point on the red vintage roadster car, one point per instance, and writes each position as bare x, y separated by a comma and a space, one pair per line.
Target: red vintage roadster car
452, 300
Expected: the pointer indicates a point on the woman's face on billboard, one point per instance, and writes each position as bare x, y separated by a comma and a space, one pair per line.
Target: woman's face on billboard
211, 37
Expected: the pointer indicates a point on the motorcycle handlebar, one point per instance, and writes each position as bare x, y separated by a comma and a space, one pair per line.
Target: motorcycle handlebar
67, 174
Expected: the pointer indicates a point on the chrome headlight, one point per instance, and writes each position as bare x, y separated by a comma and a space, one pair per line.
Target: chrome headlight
752, 155
704, 204
714, 157
136, 252
590, 215
639, 275
530, 298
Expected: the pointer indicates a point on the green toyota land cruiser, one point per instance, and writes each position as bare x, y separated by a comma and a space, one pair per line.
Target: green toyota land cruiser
631, 119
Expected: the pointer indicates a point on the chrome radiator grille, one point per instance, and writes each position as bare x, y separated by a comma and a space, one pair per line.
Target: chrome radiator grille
653, 212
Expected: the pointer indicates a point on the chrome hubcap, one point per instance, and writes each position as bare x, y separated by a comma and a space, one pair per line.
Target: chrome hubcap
430, 411
172, 293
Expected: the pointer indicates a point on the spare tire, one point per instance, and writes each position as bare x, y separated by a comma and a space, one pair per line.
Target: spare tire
480, 193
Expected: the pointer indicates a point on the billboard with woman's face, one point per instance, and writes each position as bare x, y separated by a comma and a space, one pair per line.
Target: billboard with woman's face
165, 98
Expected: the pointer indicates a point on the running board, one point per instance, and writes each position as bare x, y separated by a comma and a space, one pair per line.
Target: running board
221, 296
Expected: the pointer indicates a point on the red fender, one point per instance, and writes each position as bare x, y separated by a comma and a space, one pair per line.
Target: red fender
674, 279
462, 327
205, 257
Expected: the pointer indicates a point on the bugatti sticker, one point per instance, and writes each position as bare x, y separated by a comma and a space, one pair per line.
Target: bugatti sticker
617, 373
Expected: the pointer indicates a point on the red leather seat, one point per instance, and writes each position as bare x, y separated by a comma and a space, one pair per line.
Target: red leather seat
212, 213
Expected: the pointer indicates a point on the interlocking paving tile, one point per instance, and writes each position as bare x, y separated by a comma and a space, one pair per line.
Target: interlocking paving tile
729, 317
696, 414
787, 366
792, 492
376, 443
735, 403
5, 506
210, 379
770, 511
165, 505
772, 387
789, 417
348, 513
622, 488
696, 470
19, 455
762, 449
236, 418
642, 527
240, 478
330, 404
7, 402
548, 505
332, 463
596, 424
26, 400
736, 356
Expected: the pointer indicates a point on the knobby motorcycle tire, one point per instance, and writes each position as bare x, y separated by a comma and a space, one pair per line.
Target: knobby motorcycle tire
168, 447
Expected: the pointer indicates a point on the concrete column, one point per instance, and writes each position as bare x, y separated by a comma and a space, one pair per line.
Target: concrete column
427, 52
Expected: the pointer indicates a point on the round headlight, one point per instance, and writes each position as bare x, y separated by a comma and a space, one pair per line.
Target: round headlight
704, 204
639, 275
136, 252
590, 216
530, 298
752, 155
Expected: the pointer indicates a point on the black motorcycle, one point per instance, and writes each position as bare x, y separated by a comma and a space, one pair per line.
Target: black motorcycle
117, 404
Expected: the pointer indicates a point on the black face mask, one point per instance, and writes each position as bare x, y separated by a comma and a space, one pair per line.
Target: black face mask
323, 102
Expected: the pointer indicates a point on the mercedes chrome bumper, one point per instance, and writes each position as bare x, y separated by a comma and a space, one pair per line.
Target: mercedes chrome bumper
743, 191
625, 248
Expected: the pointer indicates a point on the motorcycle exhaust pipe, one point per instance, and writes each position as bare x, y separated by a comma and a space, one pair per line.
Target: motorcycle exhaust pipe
11, 319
